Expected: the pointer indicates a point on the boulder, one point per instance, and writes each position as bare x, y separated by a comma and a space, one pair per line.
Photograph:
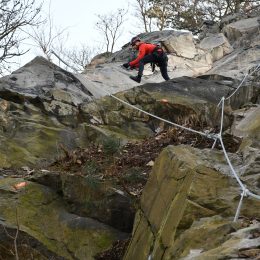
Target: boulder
66, 235
99, 59
184, 188
188, 100
186, 67
42, 80
239, 62
217, 45
182, 45
89, 196
235, 30
247, 123
207, 29
38, 111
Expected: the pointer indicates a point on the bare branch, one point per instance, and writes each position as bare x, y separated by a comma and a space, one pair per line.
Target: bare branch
46, 37
15, 16
109, 25
16, 234
187, 14
15, 237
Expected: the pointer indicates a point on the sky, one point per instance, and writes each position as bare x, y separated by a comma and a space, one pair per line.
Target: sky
80, 17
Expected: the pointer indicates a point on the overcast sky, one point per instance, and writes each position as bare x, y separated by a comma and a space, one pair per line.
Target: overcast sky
80, 16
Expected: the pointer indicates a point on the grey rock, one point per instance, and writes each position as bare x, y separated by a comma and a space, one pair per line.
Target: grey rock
41, 79
235, 30
217, 45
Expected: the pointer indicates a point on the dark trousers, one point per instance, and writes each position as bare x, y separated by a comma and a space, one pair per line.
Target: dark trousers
159, 58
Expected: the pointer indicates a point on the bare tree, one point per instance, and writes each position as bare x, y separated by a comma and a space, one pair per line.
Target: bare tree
15, 237
110, 27
77, 58
46, 36
217, 9
161, 11
189, 14
15, 15
50, 41
142, 8
186, 14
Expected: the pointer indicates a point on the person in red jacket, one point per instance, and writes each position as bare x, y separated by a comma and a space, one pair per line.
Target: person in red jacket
148, 53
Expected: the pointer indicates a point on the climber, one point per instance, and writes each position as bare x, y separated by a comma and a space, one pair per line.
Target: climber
148, 53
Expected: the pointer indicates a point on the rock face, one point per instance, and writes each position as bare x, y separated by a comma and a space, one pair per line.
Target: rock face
188, 100
229, 51
182, 45
184, 188
29, 136
218, 46
38, 110
89, 196
41, 79
244, 37
35, 123
189, 202
41, 214
235, 30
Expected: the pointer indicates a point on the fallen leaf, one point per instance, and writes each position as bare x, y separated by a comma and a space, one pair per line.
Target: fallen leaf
79, 162
20, 185
133, 193
43, 170
151, 163
164, 100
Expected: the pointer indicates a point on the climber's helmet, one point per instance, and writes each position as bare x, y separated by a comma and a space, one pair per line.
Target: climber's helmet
134, 40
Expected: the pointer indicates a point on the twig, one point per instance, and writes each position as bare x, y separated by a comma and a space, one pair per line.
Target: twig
16, 235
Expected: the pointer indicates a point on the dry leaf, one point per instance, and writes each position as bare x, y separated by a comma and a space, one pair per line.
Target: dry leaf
151, 163
20, 185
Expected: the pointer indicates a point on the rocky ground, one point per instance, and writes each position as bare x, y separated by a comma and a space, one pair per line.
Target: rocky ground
128, 165
131, 163
117, 251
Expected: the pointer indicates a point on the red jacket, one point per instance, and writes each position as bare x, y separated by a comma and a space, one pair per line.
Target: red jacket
144, 49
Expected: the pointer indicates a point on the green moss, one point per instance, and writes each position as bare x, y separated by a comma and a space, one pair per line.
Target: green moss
29, 148
4, 161
104, 241
41, 215
131, 131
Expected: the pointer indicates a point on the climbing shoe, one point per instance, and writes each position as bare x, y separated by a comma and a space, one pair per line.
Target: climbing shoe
137, 78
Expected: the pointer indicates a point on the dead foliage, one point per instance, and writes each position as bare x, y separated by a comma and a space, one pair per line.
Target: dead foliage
130, 164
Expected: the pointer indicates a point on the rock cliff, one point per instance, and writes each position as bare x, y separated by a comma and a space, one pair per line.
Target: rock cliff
81, 171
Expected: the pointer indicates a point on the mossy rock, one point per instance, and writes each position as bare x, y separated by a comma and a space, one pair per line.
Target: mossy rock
41, 214
184, 187
35, 139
